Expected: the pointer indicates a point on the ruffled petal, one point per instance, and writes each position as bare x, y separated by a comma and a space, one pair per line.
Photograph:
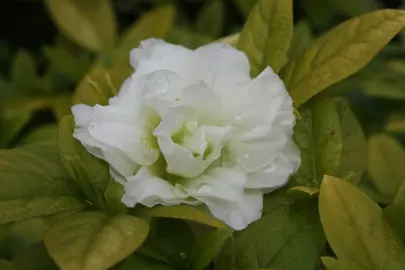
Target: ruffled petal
223, 58
220, 183
238, 214
150, 190
117, 159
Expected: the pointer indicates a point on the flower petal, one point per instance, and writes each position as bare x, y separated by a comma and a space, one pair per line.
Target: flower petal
223, 58
220, 183
150, 190
239, 214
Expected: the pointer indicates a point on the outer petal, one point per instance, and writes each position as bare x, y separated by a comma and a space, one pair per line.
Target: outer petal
223, 58
276, 175
117, 159
150, 190
174, 58
238, 214
220, 183
222, 191
144, 51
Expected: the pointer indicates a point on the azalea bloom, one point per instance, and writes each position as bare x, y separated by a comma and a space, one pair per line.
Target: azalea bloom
192, 127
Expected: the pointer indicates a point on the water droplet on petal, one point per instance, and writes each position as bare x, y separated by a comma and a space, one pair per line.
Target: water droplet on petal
238, 118
204, 188
247, 156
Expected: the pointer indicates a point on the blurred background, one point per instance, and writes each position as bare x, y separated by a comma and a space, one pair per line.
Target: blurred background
48, 47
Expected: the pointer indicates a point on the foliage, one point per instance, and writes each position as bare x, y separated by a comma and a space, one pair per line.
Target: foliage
343, 63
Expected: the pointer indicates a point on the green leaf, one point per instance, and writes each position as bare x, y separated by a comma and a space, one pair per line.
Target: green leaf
384, 164
266, 35
354, 8
20, 209
94, 240
155, 23
210, 20
43, 134
113, 195
23, 72
353, 160
301, 39
33, 258
208, 247
396, 123
20, 236
245, 6
303, 192
64, 62
287, 238
320, 13
11, 125
183, 212
188, 37
173, 240
356, 228
395, 213
318, 136
333, 264
91, 24
137, 261
90, 173
37, 184
232, 40
331, 141
61, 106
5, 265
99, 85
341, 52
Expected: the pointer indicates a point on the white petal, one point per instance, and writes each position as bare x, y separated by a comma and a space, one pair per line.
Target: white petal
84, 115
144, 51
239, 214
150, 190
276, 175
128, 138
206, 103
223, 58
174, 58
221, 183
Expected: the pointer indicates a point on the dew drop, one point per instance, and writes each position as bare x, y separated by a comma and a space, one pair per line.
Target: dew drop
204, 188
247, 156
238, 118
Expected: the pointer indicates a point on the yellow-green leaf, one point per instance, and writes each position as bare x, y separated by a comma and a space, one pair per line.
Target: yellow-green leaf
341, 52
266, 35
90, 173
183, 212
99, 85
396, 123
43, 134
232, 40
20, 209
94, 240
303, 192
245, 6
35, 184
156, 23
385, 165
91, 23
356, 228
333, 264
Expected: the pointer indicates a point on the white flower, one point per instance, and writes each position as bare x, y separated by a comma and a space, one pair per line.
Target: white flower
193, 127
